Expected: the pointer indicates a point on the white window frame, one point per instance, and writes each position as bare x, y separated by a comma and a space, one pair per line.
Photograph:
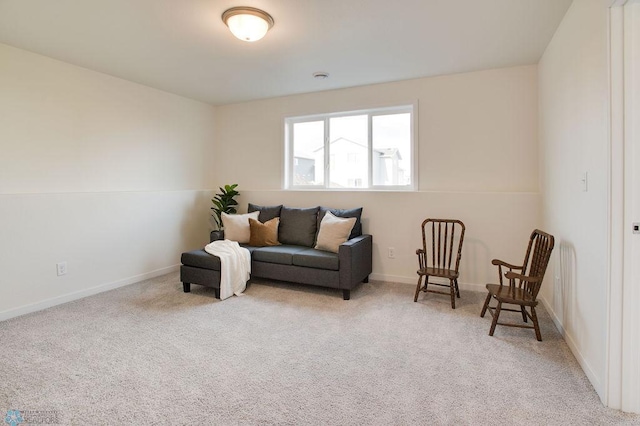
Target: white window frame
410, 108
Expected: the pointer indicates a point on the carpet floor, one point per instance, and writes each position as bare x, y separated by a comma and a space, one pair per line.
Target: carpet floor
286, 354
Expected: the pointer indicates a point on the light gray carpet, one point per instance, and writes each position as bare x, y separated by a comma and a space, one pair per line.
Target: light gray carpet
285, 354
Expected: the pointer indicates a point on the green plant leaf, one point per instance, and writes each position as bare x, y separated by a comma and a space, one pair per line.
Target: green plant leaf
223, 202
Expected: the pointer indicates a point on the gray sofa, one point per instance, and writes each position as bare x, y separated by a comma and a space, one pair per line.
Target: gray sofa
295, 260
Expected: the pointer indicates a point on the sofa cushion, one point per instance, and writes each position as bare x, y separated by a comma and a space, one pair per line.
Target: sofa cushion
333, 232
266, 212
248, 247
276, 254
236, 226
298, 226
201, 259
357, 213
264, 234
312, 258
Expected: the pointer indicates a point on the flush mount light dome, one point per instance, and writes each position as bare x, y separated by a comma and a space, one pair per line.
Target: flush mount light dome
247, 23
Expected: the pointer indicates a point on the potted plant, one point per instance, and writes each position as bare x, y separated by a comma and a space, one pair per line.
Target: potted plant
224, 202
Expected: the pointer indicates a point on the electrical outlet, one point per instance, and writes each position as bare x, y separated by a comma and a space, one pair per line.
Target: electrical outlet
62, 268
392, 253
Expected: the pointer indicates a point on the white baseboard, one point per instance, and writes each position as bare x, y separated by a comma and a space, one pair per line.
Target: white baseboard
574, 349
414, 280
59, 300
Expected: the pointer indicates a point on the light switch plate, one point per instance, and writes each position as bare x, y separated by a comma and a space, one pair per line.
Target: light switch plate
584, 180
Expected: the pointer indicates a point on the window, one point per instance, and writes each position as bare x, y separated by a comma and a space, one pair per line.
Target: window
370, 149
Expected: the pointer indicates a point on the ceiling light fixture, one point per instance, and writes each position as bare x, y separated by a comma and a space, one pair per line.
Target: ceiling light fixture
247, 23
320, 75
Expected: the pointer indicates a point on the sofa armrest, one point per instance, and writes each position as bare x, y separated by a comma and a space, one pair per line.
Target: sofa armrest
355, 258
216, 235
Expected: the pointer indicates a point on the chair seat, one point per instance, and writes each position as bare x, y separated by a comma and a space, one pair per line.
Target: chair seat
439, 272
507, 294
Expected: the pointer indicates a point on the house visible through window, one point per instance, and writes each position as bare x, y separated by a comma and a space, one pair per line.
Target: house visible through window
371, 149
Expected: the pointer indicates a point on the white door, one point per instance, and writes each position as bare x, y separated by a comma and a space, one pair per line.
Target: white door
631, 283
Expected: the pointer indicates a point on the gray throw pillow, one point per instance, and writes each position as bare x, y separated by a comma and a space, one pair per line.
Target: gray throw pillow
356, 231
266, 212
298, 226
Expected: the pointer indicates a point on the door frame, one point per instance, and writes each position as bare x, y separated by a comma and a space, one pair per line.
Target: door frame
622, 387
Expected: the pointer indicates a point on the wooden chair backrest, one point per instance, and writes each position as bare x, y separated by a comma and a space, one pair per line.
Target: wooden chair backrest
439, 237
536, 260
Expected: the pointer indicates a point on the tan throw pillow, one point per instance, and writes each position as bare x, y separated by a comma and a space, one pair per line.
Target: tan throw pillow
264, 234
236, 226
333, 232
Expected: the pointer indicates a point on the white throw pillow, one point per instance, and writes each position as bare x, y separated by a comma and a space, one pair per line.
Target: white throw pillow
236, 226
333, 232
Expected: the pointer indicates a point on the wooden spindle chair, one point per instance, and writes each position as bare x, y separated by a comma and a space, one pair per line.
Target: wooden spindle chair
529, 281
437, 257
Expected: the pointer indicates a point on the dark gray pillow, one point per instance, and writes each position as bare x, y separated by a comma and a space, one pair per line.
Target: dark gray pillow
356, 231
298, 226
266, 212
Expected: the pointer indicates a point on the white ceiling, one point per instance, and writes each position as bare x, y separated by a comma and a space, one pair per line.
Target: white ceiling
182, 46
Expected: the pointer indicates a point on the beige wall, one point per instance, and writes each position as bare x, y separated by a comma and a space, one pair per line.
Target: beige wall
107, 175
112, 177
68, 129
478, 161
574, 99
476, 131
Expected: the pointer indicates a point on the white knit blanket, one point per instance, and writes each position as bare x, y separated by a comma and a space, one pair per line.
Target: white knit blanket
235, 266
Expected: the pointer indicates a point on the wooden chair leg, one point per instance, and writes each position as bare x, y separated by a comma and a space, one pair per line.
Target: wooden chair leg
415, 298
452, 290
495, 319
486, 305
524, 314
535, 324
457, 289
